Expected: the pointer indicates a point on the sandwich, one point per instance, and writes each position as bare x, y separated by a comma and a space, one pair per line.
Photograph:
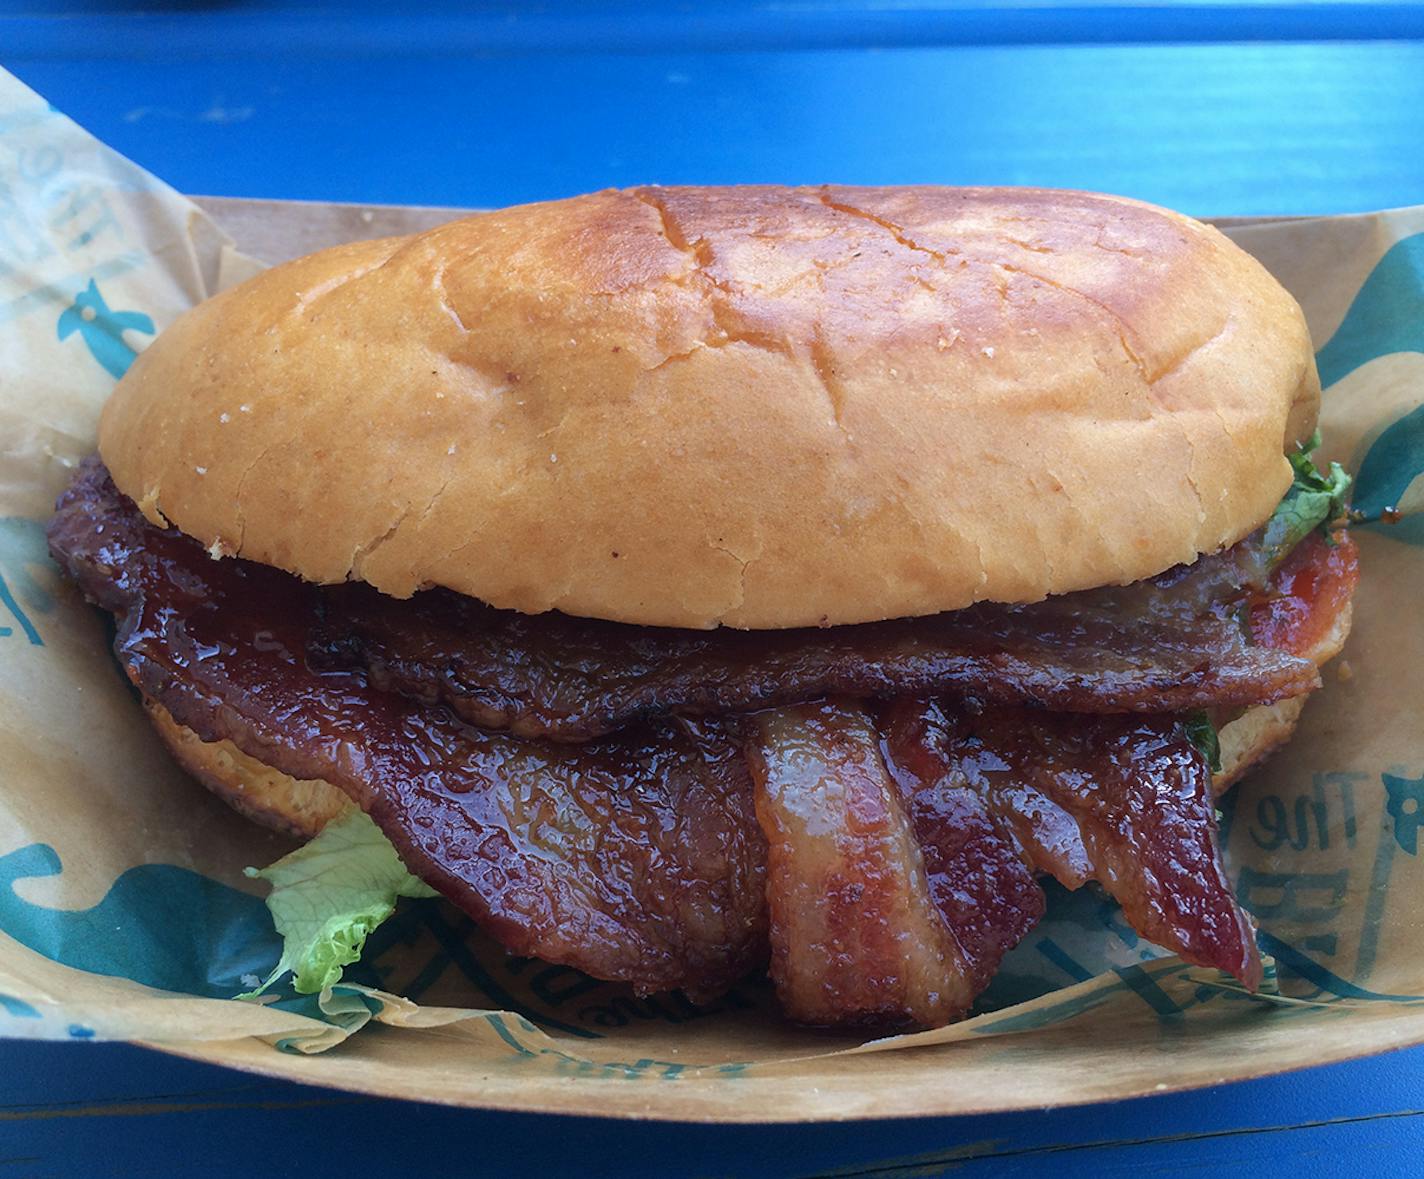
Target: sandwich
695, 582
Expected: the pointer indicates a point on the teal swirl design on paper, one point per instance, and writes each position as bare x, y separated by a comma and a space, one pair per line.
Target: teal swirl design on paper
1387, 314
1392, 466
158, 925
1406, 809
17, 1008
22, 552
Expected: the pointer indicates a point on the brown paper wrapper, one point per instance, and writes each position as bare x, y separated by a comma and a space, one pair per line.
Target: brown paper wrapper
124, 912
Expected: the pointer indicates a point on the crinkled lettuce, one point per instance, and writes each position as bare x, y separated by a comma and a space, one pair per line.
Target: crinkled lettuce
328, 896
1202, 733
1315, 499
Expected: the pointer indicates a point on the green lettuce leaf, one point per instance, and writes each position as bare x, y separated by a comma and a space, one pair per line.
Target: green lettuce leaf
1314, 500
328, 896
1202, 733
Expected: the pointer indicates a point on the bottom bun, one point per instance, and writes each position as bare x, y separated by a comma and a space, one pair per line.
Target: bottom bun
1260, 731
1252, 737
293, 806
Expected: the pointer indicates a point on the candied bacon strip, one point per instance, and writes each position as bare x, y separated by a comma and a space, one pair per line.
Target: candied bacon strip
902, 854
637, 858
979, 874
1140, 795
1173, 644
855, 935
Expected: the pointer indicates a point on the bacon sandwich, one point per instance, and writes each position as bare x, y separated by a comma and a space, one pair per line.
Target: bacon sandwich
694, 582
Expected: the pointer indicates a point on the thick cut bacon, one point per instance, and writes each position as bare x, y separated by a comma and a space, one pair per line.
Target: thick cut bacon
855, 935
902, 855
636, 858
980, 874
1170, 645
1125, 801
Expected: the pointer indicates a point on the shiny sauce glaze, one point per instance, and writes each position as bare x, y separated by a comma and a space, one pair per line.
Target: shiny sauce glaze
1299, 606
1139, 793
884, 853
979, 865
856, 936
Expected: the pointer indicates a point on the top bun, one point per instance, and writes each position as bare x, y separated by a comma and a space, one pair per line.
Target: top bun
759, 407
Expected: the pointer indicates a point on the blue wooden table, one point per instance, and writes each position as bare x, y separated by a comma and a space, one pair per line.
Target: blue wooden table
112, 1112
1212, 107
517, 102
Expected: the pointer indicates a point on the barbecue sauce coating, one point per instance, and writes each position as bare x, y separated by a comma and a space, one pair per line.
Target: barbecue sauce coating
908, 848
980, 869
902, 853
1139, 793
905, 835
856, 936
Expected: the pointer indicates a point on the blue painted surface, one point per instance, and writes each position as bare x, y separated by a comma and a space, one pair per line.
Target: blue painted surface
489, 104
1259, 128
340, 28
106, 1111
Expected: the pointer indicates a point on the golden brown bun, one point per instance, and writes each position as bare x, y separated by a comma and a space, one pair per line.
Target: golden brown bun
1253, 736
267, 796
763, 407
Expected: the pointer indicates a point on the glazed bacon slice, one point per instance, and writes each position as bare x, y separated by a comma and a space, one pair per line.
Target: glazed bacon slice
637, 858
1122, 800
855, 934
1174, 644
980, 867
